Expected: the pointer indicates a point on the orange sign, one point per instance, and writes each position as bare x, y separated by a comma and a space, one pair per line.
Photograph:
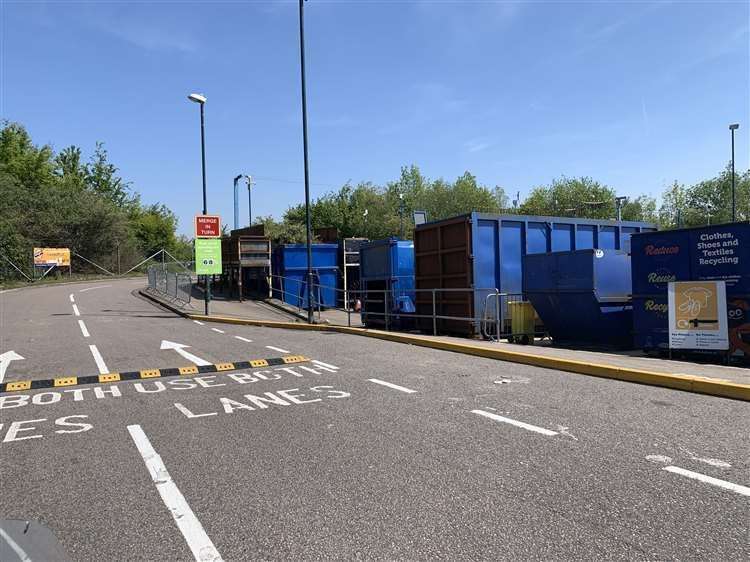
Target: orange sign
52, 256
697, 315
207, 226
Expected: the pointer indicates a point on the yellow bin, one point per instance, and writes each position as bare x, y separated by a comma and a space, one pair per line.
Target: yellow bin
522, 322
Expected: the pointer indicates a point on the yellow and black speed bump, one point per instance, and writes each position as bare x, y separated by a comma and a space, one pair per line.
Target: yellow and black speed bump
16, 386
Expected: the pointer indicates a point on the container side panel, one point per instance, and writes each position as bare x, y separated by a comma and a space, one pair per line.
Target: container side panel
486, 270
537, 238
511, 254
562, 237
657, 259
607, 238
585, 237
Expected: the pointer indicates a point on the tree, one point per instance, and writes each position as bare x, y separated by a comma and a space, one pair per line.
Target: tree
571, 197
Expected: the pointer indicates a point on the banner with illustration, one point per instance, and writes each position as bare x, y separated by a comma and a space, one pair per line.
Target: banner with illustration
698, 315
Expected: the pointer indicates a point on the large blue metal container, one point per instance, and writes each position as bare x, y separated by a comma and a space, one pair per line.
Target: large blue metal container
485, 253
387, 279
290, 273
582, 296
691, 254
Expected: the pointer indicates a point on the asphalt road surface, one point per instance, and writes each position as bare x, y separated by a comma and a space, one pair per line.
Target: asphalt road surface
371, 450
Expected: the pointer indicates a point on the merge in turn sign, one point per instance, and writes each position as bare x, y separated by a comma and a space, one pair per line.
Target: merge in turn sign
207, 256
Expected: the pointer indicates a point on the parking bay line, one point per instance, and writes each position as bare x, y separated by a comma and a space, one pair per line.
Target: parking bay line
100, 364
243, 339
278, 349
523, 425
76, 311
195, 535
84, 331
394, 386
743, 490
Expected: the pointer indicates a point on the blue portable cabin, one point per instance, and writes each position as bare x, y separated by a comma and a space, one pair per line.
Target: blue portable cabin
387, 280
290, 274
583, 296
484, 253
719, 252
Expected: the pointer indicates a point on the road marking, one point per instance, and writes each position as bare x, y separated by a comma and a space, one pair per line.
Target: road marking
243, 339
94, 288
195, 535
84, 331
72, 298
217, 330
198, 322
5, 359
20, 552
76, 311
180, 348
394, 386
743, 490
277, 349
99, 361
543, 431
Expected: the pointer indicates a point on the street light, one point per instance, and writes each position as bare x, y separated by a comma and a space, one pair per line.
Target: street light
201, 100
308, 226
733, 127
249, 180
618, 203
236, 202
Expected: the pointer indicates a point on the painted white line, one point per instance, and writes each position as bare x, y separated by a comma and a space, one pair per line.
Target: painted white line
20, 552
99, 361
217, 330
243, 339
198, 322
743, 490
94, 288
195, 535
277, 349
5, 359
72, 297
543, 431
76, 311
394, 386
180, 348
84, 331
316, 362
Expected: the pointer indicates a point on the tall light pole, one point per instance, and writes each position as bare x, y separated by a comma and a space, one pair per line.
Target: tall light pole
200, 99
733, 127
619, 202
236, 202
308, 226
249, 180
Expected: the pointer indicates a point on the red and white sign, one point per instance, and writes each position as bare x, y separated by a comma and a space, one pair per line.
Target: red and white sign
207, 226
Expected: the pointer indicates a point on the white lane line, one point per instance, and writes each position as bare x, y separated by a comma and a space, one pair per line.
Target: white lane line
94, 288
72, 297
217, 330
76, 311
20, 552
243, 339
195, 535
102, 366
543, 431
394, 386
743, 490
84, 331
278, 349
198, 322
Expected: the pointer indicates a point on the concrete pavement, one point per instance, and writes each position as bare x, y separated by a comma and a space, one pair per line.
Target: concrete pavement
372, 450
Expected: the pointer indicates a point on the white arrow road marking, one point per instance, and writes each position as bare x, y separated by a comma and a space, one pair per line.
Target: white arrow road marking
527, 426
5, 360
72, 298
195, 535
180, 348
744, 490
278, 349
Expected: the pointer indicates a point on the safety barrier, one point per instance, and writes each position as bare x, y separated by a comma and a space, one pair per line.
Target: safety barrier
176, 286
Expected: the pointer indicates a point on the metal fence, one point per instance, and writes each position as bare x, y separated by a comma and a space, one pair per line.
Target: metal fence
176, 286
493, 319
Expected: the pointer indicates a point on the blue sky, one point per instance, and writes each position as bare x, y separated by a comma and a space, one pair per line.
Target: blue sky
633, 94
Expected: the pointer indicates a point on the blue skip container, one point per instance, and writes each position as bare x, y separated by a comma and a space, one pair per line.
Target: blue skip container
290, 274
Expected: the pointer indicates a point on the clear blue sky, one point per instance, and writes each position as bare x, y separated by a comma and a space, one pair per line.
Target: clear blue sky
634, 94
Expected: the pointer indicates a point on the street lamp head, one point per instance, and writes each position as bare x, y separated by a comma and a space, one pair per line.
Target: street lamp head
249, 180
237, 178
197, 98
734, 126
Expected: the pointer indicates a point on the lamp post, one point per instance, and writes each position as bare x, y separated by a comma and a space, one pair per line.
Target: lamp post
236, 202
308, 226
733, 127
201, 100
249, 180
619, 201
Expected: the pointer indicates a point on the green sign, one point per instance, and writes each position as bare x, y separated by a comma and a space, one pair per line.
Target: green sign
207, 256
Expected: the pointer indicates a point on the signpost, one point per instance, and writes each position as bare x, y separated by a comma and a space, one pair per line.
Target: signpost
698, 315
207, 226
207, 256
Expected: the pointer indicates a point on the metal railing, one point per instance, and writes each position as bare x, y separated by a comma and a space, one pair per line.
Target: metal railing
176, 286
